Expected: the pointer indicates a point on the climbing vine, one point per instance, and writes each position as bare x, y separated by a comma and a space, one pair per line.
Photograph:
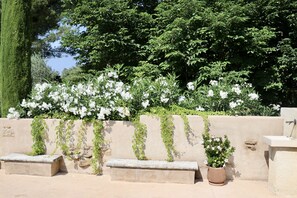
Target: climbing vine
38, 132
139, 137
98, 142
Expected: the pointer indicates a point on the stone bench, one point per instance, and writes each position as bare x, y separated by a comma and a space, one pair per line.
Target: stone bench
41, 165
152, 171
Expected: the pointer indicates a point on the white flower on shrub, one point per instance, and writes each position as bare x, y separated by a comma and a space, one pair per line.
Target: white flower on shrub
214, 83
190, 86
181, 99
92, 104
253, 96
145, 103
13, 113
123, 111
146, 95
236, 89
239, 102
276, 107
210, 93
45, 106
200, 108
223, 94
112, 74
233, 104
164, 99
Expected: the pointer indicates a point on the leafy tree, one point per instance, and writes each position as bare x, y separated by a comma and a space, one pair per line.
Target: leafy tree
15, 53
109, 32
41, 72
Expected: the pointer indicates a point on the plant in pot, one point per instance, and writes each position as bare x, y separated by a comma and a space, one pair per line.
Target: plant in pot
217, 150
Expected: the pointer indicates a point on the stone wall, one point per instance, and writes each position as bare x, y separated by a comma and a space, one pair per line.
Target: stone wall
249, 161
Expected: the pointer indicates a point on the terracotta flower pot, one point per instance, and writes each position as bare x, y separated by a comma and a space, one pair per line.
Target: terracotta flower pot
216, 176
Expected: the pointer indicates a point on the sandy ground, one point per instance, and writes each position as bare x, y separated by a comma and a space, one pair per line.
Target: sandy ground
88, 186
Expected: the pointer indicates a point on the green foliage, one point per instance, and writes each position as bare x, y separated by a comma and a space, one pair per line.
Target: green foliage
191, 39
38, 132
108, 32
217, 150
63, 136
75, 75
40, 71
98, 142
139, 137
15, 53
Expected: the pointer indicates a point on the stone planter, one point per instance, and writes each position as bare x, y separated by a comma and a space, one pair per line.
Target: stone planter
216, 176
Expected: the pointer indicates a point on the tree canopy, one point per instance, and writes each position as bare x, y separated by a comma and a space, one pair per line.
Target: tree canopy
191, 39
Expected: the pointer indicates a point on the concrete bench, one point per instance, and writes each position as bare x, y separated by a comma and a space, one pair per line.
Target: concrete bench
152, 171
41, 165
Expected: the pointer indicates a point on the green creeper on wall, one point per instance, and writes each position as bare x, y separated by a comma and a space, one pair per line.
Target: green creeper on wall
15, 53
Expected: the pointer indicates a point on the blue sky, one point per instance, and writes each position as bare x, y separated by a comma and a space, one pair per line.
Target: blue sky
58, 64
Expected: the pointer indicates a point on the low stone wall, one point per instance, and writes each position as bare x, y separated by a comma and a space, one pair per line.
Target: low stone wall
250, 160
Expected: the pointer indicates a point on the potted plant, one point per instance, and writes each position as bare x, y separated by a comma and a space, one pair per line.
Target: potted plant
217, 150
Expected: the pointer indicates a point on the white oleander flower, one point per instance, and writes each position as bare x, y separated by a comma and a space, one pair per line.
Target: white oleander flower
145, 103
276, 107
164, 99
214, 83
253, 96
236, 89
190, 86
200, 108
13, 113
223, 94
210, 93
233, 104
181, 99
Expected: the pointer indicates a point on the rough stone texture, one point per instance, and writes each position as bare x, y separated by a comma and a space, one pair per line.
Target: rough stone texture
43, 165
152, 164
282, 178
152, 175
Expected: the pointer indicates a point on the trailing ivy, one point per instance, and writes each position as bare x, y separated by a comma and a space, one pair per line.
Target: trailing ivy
98, 142
38, 132
139, 137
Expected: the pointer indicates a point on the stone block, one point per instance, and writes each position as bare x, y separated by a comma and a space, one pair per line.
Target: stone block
43, 165
152, 171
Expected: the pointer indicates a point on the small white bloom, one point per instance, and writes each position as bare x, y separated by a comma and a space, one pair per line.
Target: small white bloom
200, 108
226, 160
92, 104
239, 102
219, 148
145, 104
190, 86
236, 89
253, 96
233, 105
213, 83
112, 74
210, 93
223, 94
276, 107
181, 99
164, 99
13, 113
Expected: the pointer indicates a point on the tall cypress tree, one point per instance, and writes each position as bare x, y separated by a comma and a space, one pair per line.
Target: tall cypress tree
15, 53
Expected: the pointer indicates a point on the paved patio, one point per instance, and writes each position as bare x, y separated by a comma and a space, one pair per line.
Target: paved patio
88, 186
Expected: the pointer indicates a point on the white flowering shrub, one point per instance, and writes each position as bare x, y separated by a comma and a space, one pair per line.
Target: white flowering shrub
106, 97
220, 95
162, 92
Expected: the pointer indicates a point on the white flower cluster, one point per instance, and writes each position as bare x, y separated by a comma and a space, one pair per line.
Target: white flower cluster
98, 98
13, 114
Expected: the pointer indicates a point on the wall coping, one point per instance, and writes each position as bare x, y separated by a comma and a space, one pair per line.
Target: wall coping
152, 164
17, 157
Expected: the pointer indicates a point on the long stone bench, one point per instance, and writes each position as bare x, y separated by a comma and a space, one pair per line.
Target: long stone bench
41, 165
152, 171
